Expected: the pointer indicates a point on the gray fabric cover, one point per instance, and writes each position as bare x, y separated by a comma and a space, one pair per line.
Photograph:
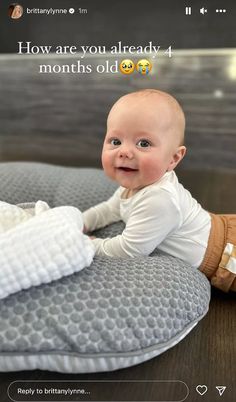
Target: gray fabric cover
115, 307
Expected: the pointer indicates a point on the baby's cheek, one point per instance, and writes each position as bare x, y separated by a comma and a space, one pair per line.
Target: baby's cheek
149, 166
106, 161
151, 170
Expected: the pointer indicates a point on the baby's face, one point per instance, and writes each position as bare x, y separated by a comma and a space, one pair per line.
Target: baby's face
140, 144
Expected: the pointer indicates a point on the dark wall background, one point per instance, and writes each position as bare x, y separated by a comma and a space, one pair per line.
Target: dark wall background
133, 22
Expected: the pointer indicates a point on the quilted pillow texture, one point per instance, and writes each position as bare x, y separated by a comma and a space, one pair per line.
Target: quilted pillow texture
115, 313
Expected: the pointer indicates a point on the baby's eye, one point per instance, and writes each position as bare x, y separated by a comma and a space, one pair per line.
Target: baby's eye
115, 142
143, 143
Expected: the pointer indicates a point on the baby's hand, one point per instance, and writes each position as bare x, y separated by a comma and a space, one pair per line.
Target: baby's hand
85, 230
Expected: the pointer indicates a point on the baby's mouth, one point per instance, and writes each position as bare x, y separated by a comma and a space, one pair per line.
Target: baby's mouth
127, 169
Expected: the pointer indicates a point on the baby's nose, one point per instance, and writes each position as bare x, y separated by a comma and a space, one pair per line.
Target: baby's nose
126, 152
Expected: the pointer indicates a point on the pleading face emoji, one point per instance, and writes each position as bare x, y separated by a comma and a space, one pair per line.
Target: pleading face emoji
127, 66
144, 66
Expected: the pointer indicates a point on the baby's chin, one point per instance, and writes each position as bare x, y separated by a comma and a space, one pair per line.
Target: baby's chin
126, 183
130, 180
130, 185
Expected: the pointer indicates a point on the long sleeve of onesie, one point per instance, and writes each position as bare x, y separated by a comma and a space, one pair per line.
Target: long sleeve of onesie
104, 213
150, 218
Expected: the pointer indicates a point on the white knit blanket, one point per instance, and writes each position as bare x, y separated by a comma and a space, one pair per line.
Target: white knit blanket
39, 245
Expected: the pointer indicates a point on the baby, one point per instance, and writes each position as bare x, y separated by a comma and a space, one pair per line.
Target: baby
143, 145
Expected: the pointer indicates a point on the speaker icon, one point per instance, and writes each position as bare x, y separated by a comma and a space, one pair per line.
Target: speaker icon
203, 10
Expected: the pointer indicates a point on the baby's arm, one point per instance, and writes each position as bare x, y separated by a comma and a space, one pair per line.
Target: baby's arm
102, 214
153, 218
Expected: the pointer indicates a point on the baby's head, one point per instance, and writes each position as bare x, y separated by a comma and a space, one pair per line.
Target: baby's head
144, 139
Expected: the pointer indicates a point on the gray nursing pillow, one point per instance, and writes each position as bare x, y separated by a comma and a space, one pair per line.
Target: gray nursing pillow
113, 314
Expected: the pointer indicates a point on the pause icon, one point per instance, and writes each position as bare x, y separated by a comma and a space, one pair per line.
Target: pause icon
188, 10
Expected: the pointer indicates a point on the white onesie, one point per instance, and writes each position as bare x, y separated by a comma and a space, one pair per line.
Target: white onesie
163, 215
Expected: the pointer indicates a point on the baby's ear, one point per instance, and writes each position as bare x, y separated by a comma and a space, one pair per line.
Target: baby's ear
177, 157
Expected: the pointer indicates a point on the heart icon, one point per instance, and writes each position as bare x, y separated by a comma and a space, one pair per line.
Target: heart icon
201, 389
